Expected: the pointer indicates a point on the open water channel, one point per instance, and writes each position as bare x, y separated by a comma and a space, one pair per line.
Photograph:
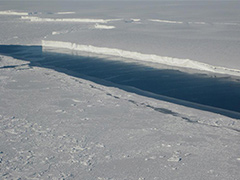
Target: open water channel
212, 92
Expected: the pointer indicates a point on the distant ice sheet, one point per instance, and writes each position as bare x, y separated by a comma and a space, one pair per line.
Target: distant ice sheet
197, 23
207, 32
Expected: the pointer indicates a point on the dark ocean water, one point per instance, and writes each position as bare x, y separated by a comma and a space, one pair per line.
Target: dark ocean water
218, 93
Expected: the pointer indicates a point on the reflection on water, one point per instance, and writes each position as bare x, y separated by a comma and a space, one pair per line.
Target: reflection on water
219, 91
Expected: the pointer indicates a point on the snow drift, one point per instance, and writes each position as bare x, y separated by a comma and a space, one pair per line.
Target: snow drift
100, 26
182, 63
9, 12
166, 21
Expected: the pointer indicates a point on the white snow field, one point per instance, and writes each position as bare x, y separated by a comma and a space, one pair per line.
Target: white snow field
56, 126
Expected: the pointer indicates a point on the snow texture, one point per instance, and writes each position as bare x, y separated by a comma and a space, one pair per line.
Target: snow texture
54, 126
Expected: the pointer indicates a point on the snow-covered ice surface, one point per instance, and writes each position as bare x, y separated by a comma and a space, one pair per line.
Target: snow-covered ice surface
196, 33
55, 126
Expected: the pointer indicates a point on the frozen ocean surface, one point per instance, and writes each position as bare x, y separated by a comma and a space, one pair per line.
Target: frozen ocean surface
68, 117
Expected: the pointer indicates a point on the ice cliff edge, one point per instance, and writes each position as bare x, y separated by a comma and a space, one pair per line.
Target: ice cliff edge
177, 62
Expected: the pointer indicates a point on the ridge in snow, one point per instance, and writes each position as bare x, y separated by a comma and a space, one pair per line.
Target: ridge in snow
9, 12
166, 21
38, 19
100, 26
66, 12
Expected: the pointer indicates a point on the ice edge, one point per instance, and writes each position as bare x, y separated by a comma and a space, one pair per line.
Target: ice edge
177, 62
